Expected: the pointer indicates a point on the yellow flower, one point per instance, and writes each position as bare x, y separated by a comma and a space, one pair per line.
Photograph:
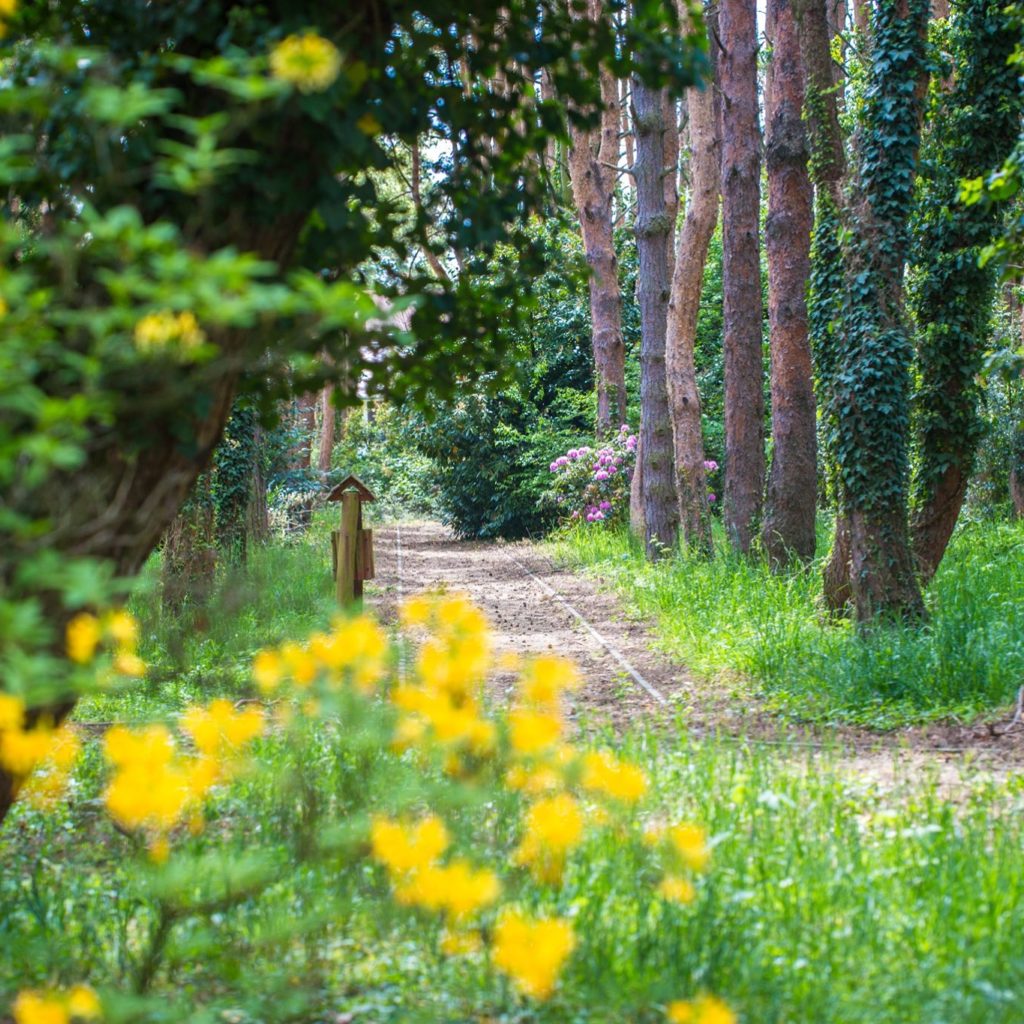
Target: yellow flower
82, 637
308, 61
21, 751
219, 729
691, 843
703, 1010
457, 889
604, 773
12, 712
553, 827
532, 781
532, 952
267, 670
532, 732
128, 664
158, 331
416, 611
404, 848
300, 664
676, 889
34, 1008
545, 678
83, 1002
122, 627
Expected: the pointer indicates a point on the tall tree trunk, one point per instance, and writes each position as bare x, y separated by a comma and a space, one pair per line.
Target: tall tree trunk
828, 281
741, 273
304, 420
257, 516
872, 384
653, 239
973, 128
684, 305
788, 527
592, 159
327, 431
188, 561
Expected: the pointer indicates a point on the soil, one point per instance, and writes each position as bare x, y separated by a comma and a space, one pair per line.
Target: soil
527, 617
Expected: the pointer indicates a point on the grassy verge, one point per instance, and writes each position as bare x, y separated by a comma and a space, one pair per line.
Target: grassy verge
828, 899
729, 614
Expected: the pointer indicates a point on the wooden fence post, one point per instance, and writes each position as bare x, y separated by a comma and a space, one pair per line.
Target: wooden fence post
351, 545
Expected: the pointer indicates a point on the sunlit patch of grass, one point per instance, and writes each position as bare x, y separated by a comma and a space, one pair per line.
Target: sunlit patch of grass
733, 614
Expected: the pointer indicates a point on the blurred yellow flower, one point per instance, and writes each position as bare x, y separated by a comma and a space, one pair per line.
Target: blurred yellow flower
82, 636
164, 329
545, 678
606, 774
460, 943
122, 627
677, 890
532, 952
219, 729
34, 1008
12, 711
22, 750
703, 1010
532, 732
308, 61
128, 664
267, 670
405, 847
456, 888
691, 843
83, 1002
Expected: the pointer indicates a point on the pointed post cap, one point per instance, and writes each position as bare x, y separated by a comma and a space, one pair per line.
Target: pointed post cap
352, 483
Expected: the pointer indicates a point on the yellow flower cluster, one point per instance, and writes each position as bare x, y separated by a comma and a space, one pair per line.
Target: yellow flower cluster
532, 952
49, 753
444, 703
308, 61
157, 332
79, 1003
554, 826
85, 633
411, 853
154, 787
703, 1010
354, 652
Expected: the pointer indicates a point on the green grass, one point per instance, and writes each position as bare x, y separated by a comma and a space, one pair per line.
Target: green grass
730, 614
830, 899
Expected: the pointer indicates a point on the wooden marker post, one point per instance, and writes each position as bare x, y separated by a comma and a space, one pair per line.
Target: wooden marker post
351, 545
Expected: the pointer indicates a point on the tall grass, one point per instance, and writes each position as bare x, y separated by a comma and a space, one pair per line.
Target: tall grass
733, 614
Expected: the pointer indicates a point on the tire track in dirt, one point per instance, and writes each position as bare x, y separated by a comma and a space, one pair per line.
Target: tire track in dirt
530, 615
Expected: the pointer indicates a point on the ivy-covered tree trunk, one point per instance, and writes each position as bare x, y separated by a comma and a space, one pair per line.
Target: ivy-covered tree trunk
973, 128
872, 384
653, 236
741, 273
684, 305
789, 522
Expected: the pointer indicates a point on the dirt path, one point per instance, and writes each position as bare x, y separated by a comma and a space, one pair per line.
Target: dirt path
536, 606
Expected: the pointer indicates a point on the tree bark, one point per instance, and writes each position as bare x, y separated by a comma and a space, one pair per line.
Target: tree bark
741, 273
684, 305
592, 160
327, 431
653, 238
789, 522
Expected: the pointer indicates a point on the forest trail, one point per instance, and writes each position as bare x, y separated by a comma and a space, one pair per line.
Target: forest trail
536, 606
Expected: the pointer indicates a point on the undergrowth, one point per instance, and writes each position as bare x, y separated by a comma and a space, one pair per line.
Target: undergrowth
730, 614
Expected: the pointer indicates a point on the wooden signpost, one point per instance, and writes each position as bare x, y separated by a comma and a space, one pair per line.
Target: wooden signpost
351, 545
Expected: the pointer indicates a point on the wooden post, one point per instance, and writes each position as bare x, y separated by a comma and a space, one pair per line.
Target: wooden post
346, 583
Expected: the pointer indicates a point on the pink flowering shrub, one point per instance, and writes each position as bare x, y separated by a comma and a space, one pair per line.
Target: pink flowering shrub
592, 484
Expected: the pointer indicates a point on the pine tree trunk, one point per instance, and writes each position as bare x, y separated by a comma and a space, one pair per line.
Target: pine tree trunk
327, 431
684, 304
653, 237
789, 522
257, 515
741, 273
592, 159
